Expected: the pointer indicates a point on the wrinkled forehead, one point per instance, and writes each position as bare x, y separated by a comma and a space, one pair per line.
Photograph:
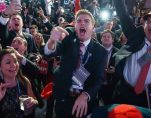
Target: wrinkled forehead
16, 16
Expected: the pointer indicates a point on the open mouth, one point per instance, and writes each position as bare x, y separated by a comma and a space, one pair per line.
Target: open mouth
82, 31
12, 71
16, 24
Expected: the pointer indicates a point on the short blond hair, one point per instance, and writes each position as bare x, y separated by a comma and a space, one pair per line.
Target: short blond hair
85, 11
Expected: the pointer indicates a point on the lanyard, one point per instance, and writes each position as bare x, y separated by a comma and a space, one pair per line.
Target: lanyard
18, 87
86, 57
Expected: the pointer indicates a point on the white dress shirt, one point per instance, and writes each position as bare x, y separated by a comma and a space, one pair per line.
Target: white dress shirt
3, 21
48, 51
132, 67
109, 50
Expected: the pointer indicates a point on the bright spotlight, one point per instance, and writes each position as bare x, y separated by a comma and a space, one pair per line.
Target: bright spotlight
114, 13
105, 15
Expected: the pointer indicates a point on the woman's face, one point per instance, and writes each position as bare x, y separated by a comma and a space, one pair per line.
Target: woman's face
38, 39
9, 66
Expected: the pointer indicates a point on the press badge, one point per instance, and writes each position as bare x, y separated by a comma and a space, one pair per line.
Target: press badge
80, 75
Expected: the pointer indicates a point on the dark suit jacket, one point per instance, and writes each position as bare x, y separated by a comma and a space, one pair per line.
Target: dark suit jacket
30, 70
111, 63
136, 40
107, 88
7, 37
69, 50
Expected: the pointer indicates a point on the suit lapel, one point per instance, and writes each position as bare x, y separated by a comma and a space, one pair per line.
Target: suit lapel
76, 49
88, 52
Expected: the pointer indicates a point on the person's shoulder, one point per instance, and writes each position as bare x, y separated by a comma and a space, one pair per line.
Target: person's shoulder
115, 48
70, 29
27, 35
98, 46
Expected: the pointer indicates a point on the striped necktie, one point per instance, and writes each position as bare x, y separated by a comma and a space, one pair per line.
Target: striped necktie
139, 87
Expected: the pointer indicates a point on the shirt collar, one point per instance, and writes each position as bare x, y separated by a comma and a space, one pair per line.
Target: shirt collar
147, 42
108, 49
86, 42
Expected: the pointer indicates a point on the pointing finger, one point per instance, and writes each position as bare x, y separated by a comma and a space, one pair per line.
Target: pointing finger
62, 30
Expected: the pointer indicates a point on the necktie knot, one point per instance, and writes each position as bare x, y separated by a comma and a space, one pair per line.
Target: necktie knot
81, 44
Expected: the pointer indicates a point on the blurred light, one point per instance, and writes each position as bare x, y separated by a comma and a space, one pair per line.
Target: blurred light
114, 13
62, 10
105, 14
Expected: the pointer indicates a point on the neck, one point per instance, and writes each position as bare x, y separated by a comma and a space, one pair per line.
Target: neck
107, 46
11, 81
19, 32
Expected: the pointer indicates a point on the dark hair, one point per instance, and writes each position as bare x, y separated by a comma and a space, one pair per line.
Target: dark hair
20, 76
146, 16
3, 52
108, 31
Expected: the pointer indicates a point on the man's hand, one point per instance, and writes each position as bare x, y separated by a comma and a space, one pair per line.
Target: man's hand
13, 8
80, 106
18, 55
110, 70
41, 13
57, 34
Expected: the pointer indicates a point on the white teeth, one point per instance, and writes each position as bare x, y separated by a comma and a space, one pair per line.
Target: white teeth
43, 69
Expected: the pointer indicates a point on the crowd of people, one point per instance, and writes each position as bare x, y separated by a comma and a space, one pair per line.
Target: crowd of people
96, 68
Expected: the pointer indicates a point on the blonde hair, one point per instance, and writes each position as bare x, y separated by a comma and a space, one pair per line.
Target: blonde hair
85, 11
42, 39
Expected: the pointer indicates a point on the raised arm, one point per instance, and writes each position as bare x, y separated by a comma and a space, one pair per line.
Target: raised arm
13, 8
126, 22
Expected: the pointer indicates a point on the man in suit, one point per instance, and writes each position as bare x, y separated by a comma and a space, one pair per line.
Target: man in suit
15, 25
127, 59
106, 92
81, 71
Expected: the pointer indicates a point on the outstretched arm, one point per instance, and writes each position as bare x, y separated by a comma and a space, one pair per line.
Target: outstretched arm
126, 22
